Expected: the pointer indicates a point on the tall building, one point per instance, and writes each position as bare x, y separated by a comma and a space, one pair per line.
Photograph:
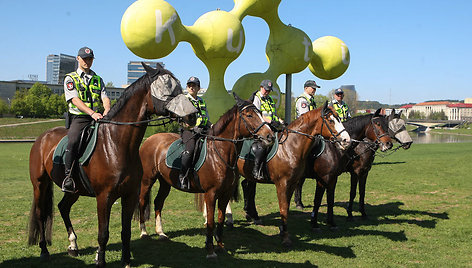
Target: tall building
136, 70
57, 66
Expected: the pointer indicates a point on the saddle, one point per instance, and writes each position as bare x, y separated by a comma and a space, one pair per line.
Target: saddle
87, 144
247, 154
174, 154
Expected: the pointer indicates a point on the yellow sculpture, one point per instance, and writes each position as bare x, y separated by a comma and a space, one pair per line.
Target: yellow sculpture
152, 29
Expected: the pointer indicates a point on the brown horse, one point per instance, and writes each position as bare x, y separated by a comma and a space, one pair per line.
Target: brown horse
371, 130
288, 164
114, 169
361, 165
218, 175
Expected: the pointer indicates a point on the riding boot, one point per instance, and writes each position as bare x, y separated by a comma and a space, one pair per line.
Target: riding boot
183, 176
259, 154
68, 185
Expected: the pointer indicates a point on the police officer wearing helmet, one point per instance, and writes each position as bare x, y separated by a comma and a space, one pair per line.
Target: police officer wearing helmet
191, 135
339, 105
306, 101
83, 90
266, 105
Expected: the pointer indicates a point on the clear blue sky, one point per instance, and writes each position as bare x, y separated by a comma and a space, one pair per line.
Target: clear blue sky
401, 51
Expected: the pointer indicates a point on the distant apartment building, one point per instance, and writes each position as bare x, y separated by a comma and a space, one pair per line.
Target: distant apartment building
57, 66
453, 111
136, 70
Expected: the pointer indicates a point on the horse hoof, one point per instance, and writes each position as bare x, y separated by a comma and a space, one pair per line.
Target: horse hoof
229, 225
316, 229
73, 252
299, 206
212, 256
45, 257
144, 235
257, 222
163, 237
287, 243
333, 228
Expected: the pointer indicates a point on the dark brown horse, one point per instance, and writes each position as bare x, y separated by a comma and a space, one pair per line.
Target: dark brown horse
288, 164
361, 165
114, 169
218, 175
366, 130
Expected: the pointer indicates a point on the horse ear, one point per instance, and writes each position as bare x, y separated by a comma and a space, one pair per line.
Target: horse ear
325, 108
149, 70
239, 101
377, 113
400, 113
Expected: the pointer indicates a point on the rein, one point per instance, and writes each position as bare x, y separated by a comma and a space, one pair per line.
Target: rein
169, 120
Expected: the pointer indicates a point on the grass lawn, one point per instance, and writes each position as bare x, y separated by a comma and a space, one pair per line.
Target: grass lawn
419, 203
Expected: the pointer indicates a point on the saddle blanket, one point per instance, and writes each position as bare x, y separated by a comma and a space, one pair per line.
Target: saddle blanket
174, 154
59, 152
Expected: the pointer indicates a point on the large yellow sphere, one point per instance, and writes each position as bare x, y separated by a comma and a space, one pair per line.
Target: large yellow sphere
221, 35
331, 58
151, 28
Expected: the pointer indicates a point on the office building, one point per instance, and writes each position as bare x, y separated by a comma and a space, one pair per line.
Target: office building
57, 66
136, 70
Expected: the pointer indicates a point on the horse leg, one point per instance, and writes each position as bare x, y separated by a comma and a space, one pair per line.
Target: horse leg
128, 204
222, 206
104, 204
64, 207
210, 205
352, 195
144, 204
229, 216
164, 190
330, 200
249, 193
362, 183
298, 194
284, 196
41, 215
319, 192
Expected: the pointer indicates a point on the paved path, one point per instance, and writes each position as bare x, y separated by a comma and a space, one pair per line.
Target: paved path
29, 123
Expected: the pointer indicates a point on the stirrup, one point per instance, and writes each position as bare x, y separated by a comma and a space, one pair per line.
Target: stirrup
65, 188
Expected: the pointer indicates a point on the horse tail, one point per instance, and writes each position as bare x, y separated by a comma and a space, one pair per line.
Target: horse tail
42, 211
236, 193
146, 208
199, 201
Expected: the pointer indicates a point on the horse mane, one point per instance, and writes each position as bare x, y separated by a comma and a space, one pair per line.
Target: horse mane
224, 120
304, 119
142, 82
357, 123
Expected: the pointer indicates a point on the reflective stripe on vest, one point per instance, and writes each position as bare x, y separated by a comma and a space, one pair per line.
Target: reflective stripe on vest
341, 110
311, 103
202, 116
267, 107
89, 95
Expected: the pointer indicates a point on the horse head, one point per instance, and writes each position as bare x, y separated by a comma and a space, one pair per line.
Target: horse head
379, 132
254, 124
332, 127
166, 95
397, 129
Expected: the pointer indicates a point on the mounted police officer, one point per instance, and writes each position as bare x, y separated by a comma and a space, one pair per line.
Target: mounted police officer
83, 90
339, 105
304, 103
266, 105
191, 135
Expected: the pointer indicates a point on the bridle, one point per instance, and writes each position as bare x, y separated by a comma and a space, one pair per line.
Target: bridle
334, 137
378, 136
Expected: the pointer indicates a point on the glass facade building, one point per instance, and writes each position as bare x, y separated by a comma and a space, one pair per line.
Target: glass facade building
57, 66
136, 70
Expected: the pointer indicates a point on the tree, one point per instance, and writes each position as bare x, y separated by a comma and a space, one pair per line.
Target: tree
350, 97
4, 108
109, 84
38, 101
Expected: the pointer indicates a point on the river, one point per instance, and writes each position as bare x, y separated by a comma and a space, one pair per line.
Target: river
428, 137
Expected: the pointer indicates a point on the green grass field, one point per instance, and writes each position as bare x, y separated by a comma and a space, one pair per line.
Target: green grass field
419, 203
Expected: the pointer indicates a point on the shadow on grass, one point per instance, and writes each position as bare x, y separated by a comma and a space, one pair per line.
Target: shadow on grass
299, 222
150, 252
389, 163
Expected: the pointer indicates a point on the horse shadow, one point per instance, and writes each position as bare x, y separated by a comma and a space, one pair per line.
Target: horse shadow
378, 215
151, 252
388, 163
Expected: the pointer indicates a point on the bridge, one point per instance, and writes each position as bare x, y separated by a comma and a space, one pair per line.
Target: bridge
427, 124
